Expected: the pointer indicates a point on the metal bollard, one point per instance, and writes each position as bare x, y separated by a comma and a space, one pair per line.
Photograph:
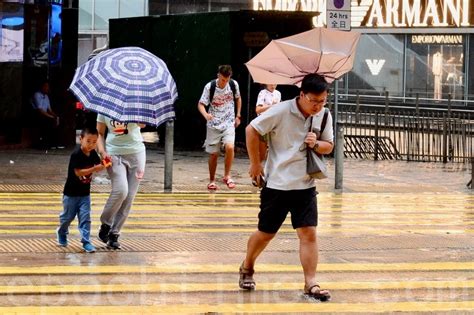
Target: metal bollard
376, 137
169, 146
445, 139
339, 157
471, 184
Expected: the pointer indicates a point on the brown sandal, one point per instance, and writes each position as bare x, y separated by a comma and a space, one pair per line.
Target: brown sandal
322, 295
246, 281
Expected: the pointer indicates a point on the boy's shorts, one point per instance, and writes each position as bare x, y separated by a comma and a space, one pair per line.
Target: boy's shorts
275, 205
214, 138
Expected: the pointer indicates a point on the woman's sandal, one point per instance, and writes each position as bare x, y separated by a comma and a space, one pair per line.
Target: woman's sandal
322, 295
246, 281
212, 186
229, 182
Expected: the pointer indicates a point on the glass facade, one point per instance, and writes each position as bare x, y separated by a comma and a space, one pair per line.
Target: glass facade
103, 11
404, 64
85, 15
435, 70
431, 66
94, 18
378, 66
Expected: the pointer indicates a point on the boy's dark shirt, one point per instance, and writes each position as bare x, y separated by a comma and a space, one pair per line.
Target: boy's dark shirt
80, 186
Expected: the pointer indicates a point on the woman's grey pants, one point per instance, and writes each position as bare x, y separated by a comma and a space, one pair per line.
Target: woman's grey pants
125, 174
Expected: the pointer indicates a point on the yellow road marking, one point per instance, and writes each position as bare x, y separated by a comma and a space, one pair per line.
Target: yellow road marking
432, 200
248, 308
58, 207
375, 204
152, 202
235, 207
252, 216
229, 268
205, 195
252, 221
217, 287
362, 230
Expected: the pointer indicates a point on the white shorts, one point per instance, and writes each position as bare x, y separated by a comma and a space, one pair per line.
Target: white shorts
214, 138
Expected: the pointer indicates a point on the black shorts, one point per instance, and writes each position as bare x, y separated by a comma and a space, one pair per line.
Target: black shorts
275, 205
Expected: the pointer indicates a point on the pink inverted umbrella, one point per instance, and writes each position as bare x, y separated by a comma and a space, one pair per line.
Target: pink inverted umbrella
287, 60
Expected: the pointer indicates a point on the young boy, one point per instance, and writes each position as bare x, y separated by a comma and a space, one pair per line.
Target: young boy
267, 97
76, 199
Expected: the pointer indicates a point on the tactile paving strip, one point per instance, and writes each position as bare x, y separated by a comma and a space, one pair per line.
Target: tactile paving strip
193, 244
144, 188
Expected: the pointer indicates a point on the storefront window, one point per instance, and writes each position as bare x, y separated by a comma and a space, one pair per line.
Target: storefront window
471, 67
85, 15
132, 8
435, 66
104, 10
378, 66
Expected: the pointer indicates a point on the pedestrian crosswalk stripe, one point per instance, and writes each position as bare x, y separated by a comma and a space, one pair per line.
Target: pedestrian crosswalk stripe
252, 216
347, 196
252, 221
231, 202
178, 229
228, 268
329, 307
218, 287
387, 210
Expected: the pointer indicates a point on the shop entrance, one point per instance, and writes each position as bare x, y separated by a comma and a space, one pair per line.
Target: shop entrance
435, 66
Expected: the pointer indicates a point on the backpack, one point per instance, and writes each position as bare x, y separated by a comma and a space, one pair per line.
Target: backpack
212, 90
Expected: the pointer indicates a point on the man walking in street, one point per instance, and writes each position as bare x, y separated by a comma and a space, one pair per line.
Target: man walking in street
223, 98
288, 187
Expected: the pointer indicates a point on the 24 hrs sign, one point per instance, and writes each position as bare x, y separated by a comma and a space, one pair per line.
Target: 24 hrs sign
338, 14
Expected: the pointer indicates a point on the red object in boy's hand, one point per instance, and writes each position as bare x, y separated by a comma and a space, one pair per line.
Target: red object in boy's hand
107, 161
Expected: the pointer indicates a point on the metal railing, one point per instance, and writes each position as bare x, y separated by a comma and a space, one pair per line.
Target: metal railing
408, 135
416, 102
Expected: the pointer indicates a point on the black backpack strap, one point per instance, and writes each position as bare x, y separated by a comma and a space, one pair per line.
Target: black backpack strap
233, 88
212, 90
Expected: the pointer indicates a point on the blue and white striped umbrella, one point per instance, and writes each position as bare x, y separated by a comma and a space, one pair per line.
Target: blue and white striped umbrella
128, 84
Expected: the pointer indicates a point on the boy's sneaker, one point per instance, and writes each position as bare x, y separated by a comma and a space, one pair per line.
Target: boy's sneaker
113, 241
104, 233
88, 247
61, 239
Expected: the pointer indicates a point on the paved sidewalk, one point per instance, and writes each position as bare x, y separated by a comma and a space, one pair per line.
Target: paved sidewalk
398, 240
190, 173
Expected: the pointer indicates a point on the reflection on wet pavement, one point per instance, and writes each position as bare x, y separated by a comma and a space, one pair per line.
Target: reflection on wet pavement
379, 252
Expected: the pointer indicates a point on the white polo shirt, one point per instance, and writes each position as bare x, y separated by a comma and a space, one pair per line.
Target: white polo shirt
287, 128
265, 97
